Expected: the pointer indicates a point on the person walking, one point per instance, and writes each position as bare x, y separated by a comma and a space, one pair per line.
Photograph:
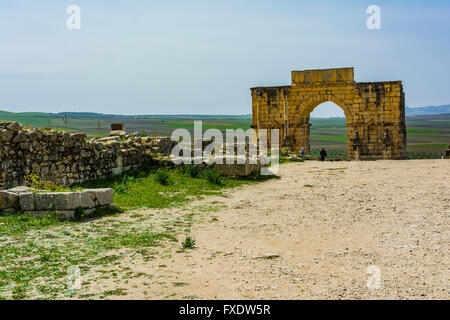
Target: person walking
323, 154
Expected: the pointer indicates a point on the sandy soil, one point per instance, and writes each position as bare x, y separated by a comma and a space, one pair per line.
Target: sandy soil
313, 233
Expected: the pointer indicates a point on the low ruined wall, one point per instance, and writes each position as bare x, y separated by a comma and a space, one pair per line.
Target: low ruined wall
67, 205
68, 158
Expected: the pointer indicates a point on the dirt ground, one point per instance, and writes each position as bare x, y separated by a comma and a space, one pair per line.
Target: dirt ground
312, 234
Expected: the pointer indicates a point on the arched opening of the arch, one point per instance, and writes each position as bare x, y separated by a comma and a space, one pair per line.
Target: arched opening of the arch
323, 124
328, 129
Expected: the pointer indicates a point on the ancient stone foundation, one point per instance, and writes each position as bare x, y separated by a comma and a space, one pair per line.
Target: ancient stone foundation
68, 158
447, 153
234, 160
374, 111
237, 169
65, 205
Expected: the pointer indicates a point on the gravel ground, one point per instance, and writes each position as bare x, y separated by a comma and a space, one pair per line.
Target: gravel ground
314, 233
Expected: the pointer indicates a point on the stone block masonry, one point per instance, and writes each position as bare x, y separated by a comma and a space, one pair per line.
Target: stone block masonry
63, 204
374, 111
68, 158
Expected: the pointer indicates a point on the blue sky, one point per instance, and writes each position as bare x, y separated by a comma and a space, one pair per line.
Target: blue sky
172, 57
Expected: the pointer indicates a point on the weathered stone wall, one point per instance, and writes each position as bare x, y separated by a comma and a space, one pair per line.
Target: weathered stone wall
374, 111
68, 158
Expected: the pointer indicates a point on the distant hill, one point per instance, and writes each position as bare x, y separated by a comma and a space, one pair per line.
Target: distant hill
86, 115
432, 117
25, 114
94, 115
428, 110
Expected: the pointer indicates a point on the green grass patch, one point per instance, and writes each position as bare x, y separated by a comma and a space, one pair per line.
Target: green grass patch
37, 252
424, 131
135, 189
16, 224
429, 145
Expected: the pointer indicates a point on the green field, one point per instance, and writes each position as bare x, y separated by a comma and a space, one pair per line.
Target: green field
101, 126
428, 136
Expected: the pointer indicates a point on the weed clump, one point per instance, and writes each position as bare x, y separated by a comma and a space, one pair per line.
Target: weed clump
162, 176
213, 176
188, 243
194, 170
123, 185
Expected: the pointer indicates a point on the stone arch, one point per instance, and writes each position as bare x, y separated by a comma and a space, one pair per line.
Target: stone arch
309, 104
302, 117
362, 102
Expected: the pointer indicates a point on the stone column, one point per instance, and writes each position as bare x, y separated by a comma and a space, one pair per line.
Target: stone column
303, 137
285, 114
387, 145
355, 151
258, 112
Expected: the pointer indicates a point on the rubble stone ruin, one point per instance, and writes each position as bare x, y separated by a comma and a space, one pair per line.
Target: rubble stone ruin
447, 153
374, 112
68, 158
117, 129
